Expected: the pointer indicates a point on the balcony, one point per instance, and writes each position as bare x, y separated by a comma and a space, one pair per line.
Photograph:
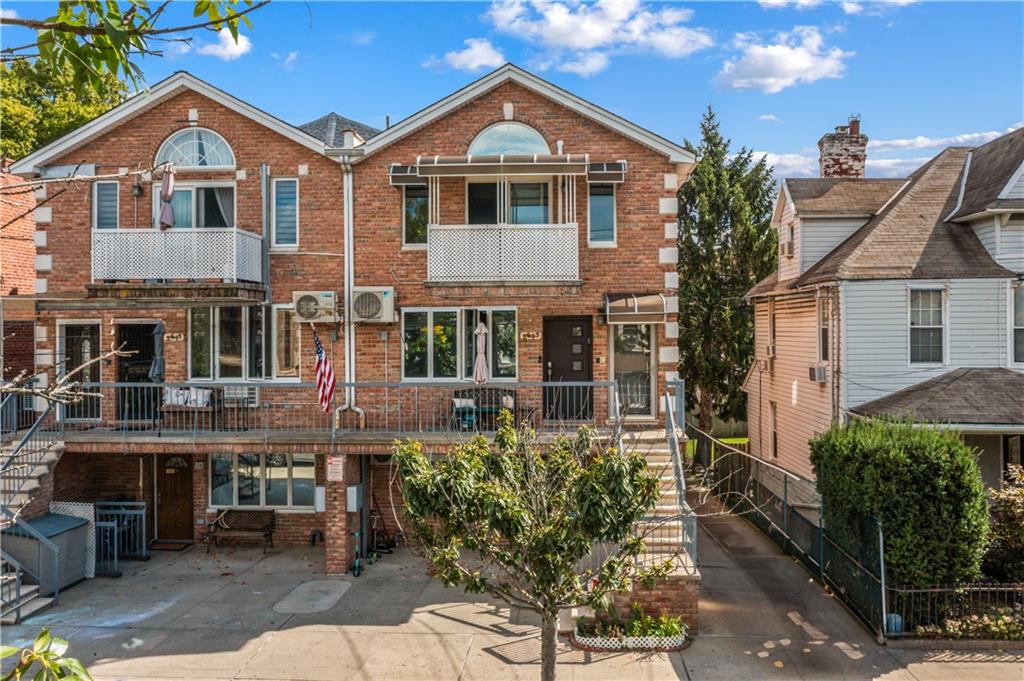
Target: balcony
502, 253
229, 254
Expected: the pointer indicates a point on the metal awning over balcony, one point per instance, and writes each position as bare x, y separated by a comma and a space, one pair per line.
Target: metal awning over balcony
636, 308
230, 254
427, 167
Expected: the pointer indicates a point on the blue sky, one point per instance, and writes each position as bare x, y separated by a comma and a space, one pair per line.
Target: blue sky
779, 73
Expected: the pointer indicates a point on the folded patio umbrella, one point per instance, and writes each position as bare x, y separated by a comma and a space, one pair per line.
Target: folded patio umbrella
156, 368
480, 366
166, 194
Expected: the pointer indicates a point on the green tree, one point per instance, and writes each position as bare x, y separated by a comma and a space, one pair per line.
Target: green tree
520, 521
39, 106
88, 39
1005, 557
726, 245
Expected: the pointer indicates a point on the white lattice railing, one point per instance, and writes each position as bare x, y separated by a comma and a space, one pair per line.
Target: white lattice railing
466, 253
230, 254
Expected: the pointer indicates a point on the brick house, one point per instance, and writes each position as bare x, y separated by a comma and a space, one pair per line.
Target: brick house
510, 245
894, 297
17, 273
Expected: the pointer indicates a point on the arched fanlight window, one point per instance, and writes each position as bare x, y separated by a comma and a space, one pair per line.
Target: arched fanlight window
196, 148
508, 138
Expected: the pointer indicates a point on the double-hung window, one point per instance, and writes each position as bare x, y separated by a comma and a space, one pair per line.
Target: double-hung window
414, 214
926, 326
203, 206
285, 218
431, 346
601, 215
105, 205
232, 343
824, 312
1018, 324
263, 480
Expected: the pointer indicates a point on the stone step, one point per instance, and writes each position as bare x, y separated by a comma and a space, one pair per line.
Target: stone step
29, 607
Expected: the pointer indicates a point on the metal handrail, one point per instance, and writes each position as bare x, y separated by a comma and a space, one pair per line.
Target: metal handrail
18, 570
44, 541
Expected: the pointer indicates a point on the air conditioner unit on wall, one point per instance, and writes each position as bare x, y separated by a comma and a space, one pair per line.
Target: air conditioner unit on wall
787, 249
818, 373
373, 304
769, 351
316, 306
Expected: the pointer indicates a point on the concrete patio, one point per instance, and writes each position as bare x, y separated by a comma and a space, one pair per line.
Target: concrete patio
238, 614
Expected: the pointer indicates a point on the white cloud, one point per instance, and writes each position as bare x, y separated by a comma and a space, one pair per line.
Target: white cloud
287, 62
8, 13
893, 167
769, 118
478, 54
779, 4
363, 37
582, 37
922, 142
798, 56
790, 165
851, 7
226, 48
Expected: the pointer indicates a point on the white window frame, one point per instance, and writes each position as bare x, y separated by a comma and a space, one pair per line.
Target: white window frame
615, 217
192, 186
215, 352
412, 246
180, 167
273, 342
62, 369
944, 299
95, 204
652, 329
824, 305
518, 179
1015, 289
273, 215
263, 473
773, 429
460, 325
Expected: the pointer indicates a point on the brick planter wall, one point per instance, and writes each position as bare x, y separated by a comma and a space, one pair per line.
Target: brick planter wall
676, 595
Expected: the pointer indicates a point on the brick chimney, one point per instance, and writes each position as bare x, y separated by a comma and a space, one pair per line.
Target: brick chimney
842, 153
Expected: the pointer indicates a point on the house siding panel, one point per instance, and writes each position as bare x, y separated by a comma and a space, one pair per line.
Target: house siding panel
1011, 253
819, 236
789, 267
876, 342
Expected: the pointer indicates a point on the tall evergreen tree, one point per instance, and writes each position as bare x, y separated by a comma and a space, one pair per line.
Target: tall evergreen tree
726, 245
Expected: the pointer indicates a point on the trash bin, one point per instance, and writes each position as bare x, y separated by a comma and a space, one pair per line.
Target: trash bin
69, 533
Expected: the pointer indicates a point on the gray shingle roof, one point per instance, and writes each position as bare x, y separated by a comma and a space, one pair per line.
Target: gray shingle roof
330, 128
909, 239
990, 395
841, 196
992, 165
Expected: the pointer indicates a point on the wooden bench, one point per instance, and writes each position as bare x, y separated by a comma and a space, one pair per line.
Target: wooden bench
241, 523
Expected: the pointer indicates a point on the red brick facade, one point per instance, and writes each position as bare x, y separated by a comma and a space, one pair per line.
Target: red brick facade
17, 239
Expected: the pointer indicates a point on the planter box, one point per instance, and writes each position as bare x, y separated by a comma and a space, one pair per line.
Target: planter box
602, 643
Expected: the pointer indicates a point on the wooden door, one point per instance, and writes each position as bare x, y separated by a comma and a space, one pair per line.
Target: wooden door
568, 359
174, 497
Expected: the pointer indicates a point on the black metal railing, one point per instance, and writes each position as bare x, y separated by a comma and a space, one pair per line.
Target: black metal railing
964, 611
107, 549
129, 517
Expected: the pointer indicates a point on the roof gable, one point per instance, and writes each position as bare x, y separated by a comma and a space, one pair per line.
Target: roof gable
995, 167
509, 72
142, 102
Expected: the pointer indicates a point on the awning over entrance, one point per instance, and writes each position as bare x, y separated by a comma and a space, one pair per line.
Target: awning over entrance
507, 165
636, 308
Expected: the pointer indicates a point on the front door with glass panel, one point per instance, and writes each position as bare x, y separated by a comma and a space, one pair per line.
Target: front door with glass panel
81, 344
137, 402
173, 497
632, 366
567, 359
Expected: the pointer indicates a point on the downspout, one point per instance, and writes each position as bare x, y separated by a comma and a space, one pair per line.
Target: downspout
349, 326
265, 217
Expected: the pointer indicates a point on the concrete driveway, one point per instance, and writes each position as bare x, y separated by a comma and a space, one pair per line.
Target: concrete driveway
237, 614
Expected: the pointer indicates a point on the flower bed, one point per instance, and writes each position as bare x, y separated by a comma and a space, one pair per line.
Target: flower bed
642, 632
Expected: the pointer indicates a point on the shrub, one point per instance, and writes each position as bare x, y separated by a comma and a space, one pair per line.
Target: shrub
1005, 557
922, 484
1004, 624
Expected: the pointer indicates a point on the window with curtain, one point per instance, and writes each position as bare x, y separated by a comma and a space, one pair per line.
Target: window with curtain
414, 214
926, 322
286, 212
196, 148
601, 214
263, 480
106, 198
207, 206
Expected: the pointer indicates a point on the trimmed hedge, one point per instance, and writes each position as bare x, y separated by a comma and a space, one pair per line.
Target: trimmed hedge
922, 484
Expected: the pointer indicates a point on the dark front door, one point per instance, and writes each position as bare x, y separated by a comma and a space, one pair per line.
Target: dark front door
81, 345
174, 497
567, 359
136, 402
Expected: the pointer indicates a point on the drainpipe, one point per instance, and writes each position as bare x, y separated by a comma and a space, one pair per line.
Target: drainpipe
265, 217
349, 325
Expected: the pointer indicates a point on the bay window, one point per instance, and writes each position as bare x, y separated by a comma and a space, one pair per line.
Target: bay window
431, 347
926, 326
262, 480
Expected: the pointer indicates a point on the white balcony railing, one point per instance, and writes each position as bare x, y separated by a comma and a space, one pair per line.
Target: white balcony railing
468, 253
230, 254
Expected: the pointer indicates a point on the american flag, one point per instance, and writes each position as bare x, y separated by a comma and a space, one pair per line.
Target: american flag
324, 374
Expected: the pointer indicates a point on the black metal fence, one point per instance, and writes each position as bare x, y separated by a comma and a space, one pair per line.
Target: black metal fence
965, 611
130, 519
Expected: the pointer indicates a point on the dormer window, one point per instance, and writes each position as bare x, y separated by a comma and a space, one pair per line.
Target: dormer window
508, 137
197, 148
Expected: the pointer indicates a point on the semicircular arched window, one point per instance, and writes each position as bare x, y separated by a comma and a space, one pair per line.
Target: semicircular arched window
196, 148
508, 138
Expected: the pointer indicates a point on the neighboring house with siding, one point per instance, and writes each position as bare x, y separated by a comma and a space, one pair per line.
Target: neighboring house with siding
895, 297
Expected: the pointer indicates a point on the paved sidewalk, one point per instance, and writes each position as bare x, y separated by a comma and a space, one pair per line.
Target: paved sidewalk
237, 614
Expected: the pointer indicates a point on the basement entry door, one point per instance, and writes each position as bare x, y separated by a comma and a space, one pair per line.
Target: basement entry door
173, 498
